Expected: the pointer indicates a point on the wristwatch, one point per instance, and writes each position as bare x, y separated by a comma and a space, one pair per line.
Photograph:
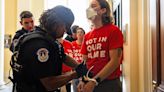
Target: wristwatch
98, 80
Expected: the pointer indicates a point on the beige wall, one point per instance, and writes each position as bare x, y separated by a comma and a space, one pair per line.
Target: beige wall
10, 28
12, 11
35, 6
37, 9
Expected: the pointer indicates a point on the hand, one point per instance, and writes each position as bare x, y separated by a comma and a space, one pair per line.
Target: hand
80, 86
89, 86
81, 69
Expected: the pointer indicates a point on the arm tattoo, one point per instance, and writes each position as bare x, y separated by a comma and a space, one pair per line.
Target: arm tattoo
119, 52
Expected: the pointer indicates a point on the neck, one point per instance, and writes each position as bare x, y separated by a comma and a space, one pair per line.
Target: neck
79, 41
98, 24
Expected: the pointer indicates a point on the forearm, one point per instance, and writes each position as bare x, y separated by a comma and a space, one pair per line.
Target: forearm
71, 62
54, 82
112, 65
108, 70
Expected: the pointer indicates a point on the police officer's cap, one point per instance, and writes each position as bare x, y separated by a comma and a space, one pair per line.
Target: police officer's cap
65, 14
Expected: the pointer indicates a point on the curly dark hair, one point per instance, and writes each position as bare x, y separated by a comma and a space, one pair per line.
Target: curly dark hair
106, 17
50, 22
53, 19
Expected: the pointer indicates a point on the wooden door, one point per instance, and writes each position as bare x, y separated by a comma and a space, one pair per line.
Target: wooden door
157, 29
161, 85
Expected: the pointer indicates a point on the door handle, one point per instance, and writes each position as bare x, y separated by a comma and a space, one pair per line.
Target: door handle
154, 86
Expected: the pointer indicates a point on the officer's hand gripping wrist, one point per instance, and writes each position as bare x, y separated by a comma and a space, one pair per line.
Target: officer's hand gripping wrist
88, 77
82, 70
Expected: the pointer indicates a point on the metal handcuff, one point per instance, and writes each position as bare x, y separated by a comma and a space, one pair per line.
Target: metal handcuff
87, 78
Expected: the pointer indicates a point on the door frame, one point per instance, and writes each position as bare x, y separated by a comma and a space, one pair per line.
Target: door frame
145, 46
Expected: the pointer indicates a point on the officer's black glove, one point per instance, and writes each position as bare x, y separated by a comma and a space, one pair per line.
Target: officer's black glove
82, 70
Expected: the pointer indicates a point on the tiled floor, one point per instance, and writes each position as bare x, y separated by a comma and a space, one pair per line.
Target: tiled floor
6, 88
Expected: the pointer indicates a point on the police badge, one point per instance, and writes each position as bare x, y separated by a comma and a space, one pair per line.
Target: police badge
43, 54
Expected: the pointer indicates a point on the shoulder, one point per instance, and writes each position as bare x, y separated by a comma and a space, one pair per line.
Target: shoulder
111, 30
21, 31
112, 27
88, 34
36, 49
35, 38
37, 28
74, 42
115, 33
116, 30
67, 43
35, 44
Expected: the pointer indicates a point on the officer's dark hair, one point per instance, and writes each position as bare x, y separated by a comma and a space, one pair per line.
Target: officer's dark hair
57, 17
25, 14
50, 22
106, 17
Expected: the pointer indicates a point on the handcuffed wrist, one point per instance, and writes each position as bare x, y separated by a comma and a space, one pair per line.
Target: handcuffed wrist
93, 80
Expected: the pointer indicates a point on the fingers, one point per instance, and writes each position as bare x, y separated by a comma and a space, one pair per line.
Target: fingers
80, 86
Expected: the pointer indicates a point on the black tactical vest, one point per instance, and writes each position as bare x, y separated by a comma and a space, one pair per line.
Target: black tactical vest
16, 63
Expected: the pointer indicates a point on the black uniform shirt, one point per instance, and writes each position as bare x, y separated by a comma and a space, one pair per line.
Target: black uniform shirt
40, 59
18, 34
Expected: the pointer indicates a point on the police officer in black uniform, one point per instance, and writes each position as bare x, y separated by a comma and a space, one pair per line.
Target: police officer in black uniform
27, 23
38, 56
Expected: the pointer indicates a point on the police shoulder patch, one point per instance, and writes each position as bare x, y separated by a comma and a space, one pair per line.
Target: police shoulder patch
43, 54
